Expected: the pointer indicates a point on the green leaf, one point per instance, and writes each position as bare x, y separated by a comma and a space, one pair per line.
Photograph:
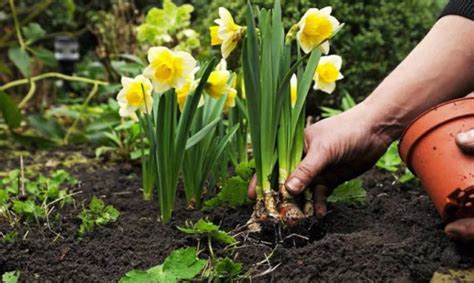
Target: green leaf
44, 55
203, 227
181, 264
11, 277
227, 268
4, 69
21, 59
407, 177
391, 160
137, 276
101, 150
196, 138
349, 192
33, 32
96, 215
233, 193
3, 196
184, 264
96, 204
10, 111
160, 276
47, 127
329, 112
245, 170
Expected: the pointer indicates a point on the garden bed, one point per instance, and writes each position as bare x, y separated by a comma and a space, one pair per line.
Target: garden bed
396, 235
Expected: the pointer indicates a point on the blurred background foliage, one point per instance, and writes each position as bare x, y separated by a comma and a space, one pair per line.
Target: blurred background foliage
114, 36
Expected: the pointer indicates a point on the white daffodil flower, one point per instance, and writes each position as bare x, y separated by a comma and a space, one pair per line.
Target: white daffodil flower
327, 73
315, 28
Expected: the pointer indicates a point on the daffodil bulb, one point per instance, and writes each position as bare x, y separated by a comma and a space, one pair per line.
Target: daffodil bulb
227, 33
293, 90
327, 73
315, 28
135, 95
168, 69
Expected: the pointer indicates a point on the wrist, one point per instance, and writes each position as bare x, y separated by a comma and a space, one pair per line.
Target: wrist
384, 119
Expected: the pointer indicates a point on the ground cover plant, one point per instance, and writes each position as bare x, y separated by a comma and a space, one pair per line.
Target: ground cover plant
131, 163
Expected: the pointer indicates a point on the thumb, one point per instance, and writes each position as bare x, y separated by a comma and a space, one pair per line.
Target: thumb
309, 167
465, 141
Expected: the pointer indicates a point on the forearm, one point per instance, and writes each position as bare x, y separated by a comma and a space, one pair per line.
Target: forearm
441, 67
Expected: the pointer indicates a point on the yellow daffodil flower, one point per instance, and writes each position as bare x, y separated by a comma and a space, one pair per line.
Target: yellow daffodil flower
293, 89
327, 73
218, 82
182, 93
168, 69
315, 28
230, 101
227, 32
135, 95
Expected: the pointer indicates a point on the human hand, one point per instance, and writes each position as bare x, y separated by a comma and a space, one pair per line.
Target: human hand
337, 149
463, 229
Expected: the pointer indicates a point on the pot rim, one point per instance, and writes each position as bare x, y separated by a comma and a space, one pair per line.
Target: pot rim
428, 122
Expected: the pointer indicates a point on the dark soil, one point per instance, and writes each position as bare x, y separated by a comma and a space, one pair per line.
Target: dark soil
395, 236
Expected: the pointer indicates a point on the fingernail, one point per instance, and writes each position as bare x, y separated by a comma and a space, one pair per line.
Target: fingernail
294, 185
469, 134
462, 137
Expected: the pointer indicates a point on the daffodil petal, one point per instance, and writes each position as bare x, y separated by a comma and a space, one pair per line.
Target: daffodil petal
227, 47
316, 81
155, 52
126, 81
327, 87
335, 60
222, 66
334, 22
326, 10
324, 47
305, 44
225, 16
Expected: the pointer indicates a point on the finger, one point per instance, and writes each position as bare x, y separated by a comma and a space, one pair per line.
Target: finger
462, 229
251, 192
309, 167
465, 141
319, 197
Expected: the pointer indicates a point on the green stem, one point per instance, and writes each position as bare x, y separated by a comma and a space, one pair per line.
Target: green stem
83, 108
29, 95
17, 25
52, 75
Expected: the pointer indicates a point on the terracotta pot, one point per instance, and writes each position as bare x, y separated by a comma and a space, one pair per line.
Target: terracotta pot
428, 148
